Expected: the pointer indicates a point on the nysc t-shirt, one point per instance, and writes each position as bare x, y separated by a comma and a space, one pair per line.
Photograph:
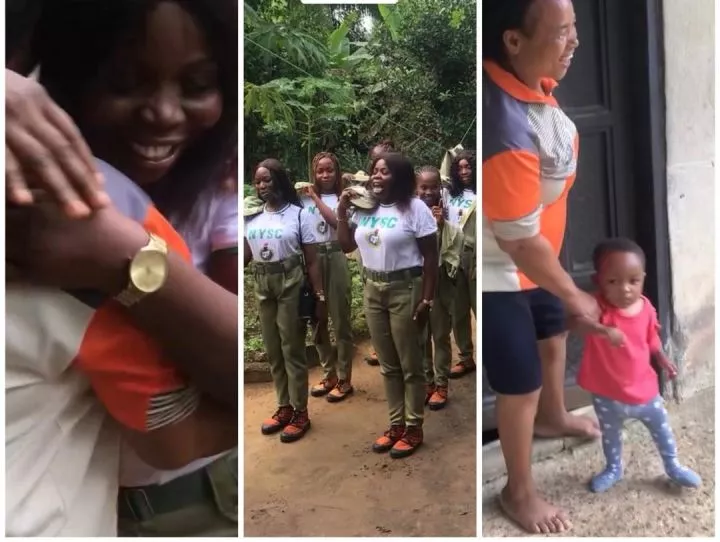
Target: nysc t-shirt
274, 236
322, 231
387, 236
457, 207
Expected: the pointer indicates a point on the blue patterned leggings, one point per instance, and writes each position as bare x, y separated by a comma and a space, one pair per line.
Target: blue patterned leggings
612, 415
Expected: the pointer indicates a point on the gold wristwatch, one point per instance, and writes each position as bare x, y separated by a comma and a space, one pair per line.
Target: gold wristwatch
148, 272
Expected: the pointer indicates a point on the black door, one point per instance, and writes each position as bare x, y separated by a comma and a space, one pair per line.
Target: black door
598, 97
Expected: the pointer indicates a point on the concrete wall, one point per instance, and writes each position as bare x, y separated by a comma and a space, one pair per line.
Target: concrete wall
689, 29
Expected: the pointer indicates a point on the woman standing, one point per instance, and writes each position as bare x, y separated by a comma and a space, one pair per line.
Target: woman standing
530, 150
321, 201
280, 242
398, 244
460, 201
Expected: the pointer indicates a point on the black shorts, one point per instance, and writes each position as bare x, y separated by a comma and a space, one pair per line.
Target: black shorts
512, 323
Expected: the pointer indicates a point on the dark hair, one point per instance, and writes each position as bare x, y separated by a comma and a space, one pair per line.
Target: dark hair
456, 185
430, 169
21, 17
402, 189
281, 180
74, 38
336, 163
498, 17
616, 244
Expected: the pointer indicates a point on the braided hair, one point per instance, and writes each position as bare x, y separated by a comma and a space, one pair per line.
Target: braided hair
432, 170
336, 164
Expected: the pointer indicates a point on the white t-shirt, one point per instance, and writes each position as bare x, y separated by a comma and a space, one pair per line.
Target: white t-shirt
322, 230
456, 208
276, 235
213, 230
387, 237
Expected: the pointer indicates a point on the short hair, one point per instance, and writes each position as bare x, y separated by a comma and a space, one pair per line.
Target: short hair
499, 16
613, 245
336, 163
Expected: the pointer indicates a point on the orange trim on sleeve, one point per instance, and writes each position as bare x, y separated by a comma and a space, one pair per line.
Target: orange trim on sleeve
125, 366
510, 185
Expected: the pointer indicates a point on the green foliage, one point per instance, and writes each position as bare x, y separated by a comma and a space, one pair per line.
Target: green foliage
340, 78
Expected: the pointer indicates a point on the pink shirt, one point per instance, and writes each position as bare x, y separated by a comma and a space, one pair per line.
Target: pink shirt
622, 373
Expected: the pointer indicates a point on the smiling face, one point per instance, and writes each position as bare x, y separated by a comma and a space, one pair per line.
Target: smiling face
155, 97
427, 188
621, 278
326, 175
381, 181
546, 46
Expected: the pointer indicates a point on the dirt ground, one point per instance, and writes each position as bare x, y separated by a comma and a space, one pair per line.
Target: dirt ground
644, 504
331, 484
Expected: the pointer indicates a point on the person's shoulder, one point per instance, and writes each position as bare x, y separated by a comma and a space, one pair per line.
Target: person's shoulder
125, 195
418, 207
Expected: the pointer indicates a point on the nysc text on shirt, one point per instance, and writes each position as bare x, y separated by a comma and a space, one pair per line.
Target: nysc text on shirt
274, 236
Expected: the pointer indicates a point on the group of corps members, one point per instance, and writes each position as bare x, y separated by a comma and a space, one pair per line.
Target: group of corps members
413, 231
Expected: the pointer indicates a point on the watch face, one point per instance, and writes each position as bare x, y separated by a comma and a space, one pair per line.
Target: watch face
148, 271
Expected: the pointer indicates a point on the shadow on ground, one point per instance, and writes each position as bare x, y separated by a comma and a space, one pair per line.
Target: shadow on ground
644, 503
332, 484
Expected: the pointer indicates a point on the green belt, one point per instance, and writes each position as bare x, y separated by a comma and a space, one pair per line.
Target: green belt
275, 268
144, 503
328, 247
392, 276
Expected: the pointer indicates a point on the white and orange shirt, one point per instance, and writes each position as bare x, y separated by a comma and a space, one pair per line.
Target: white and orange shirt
76, 369
530, 152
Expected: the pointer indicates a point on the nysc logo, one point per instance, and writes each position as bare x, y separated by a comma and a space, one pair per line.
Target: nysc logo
266, 253
373, 238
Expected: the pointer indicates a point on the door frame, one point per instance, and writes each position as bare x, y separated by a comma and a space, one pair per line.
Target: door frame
647, 57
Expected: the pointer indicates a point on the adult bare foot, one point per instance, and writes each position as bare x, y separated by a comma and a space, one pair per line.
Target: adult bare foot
568, 425
533, 513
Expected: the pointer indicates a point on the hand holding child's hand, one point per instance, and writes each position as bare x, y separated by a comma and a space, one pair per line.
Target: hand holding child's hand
669, 367
615, 336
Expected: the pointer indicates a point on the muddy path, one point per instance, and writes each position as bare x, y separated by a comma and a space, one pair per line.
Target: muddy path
331, 484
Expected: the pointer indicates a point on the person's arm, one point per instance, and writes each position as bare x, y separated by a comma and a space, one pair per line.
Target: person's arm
223, 269
511, 201
428, 246
314, 271
656, 348
344, 232
247, 253
325, 211
586, 326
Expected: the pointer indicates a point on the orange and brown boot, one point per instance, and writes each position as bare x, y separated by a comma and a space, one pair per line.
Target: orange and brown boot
439, 398
388, 439
297, 427
410, 441
429, 391
283, 415
324, 386
372, 359
462, 367
340, 392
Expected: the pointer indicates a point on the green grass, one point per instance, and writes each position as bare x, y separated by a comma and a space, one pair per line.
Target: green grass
254, 348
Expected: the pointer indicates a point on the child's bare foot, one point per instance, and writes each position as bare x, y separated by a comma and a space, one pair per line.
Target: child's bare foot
533, 513
568, 425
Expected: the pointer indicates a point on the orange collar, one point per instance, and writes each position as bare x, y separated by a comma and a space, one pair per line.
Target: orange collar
517, 89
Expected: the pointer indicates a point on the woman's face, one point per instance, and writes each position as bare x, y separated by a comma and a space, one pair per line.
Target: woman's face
264, 185
427, 188
381, 180
547, 46
157, 95
326, 175
464, 172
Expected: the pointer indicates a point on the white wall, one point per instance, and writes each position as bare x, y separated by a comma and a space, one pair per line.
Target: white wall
689, 29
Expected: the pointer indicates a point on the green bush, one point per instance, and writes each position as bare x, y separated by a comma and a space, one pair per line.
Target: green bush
254, 348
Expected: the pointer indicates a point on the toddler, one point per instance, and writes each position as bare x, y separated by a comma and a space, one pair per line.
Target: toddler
616, 367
